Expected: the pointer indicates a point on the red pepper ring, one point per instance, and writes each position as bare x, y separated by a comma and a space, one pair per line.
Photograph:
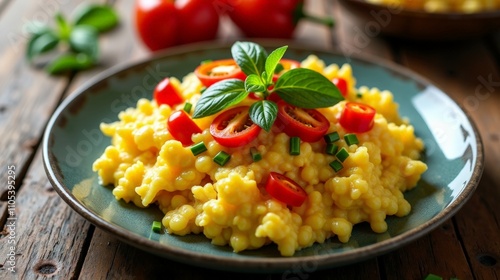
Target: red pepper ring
285, 190
214, 71
357, 117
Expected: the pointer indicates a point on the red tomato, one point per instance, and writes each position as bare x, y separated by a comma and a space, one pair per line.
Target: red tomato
165, 93
357, 117
285, 190
341, 84
165, 23
307, 124
233, 128
156, 22
199, 20
211, 72
182, 127
287, 65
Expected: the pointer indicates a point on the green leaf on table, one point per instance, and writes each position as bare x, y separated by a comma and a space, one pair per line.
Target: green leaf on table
307, 89
273, 61
85, 39
219, 96
263, 113
40, 43
70, 62
250, 56
101, 17
253, 83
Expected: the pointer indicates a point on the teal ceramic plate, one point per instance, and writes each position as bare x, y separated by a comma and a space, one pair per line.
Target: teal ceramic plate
73, 141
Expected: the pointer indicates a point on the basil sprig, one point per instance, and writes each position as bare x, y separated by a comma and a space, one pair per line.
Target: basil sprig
80, 37
300, 87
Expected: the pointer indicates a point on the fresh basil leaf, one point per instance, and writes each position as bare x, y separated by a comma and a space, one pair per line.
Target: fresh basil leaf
63, 26
101, 17
220, 96
307, 88
250, 56
70, 62
273, 60
41, 43
85, 39
263, 113
253, 83
279, 68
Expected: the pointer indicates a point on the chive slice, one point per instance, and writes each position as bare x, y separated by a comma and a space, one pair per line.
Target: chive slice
433, 277
332, 137
331, 148
156, 226
187, 107
256, 156
351, 139
359, 95
295, 146
342, 154
221, 158
336, 165
198, 148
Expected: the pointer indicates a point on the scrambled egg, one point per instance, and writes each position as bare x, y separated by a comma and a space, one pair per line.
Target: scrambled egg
229, 204
443, 6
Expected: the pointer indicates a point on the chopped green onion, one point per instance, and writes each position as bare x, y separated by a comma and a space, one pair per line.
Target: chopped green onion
336, 165
206, 61
187, 107
332, 137
342, 155
433, 277
295, 146
256, 156
331, 148
221, 158
156, 226
359, 95
198, 148
351, 139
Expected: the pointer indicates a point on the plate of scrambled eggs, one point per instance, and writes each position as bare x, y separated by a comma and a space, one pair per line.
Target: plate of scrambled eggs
433, 20
337, 191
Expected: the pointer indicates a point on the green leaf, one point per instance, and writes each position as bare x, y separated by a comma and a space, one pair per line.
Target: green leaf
307, 88
101, 17
264, 113
251, 57
63, 26
85, 39
220, 96
40, 43
70, 62
273, 60
253, 83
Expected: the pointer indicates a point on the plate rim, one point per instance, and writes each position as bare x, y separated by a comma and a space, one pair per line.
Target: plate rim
262, 264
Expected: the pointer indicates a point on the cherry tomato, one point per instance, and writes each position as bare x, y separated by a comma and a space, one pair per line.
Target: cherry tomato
211, 72
233, 128
165, 23
307, 124
165, 93
357, 117
341, 84
156, 22
182, 127
285, 190
287, 65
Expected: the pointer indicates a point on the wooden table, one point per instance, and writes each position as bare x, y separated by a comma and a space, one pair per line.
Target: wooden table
54, 242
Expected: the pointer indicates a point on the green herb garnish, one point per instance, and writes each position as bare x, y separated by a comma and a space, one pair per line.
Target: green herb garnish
198, 148
80, 38
299, 87
294, 149
156, 226
256, 156
221, 158
351, 139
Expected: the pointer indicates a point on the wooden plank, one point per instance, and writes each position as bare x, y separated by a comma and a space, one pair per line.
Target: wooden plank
48, 235
473, 81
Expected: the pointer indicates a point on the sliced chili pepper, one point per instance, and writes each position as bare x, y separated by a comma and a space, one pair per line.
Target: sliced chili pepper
285, 190
307, 124
214, 71
341, 85
233, 128
165, 93
182, 127
357, 117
